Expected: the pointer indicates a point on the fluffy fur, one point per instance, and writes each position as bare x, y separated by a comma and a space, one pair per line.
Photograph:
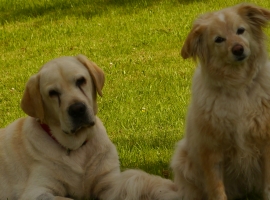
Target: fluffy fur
225, 151
78, 160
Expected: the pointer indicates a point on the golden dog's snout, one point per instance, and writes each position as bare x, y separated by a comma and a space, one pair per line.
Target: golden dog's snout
238, 52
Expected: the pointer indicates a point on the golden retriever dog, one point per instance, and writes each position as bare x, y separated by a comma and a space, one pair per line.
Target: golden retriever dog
61, 150
225, 152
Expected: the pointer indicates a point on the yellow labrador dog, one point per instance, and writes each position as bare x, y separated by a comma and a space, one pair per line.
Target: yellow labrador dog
61, 150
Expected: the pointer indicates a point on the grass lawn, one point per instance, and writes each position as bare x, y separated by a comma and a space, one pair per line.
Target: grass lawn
136, 43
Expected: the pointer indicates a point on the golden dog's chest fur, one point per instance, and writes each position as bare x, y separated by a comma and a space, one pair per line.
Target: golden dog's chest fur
238, 124
243, 113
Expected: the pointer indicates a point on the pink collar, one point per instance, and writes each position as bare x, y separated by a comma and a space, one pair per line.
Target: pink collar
47, 129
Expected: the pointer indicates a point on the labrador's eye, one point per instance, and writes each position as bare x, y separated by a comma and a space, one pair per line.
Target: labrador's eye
53, 93
219, 39
81, 81
240, 31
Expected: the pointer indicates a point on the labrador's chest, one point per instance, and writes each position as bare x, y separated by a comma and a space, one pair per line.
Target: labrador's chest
73, 173
83, 171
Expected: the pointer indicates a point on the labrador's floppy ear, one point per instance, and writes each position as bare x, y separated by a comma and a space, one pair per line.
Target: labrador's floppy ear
96, 73
31, 102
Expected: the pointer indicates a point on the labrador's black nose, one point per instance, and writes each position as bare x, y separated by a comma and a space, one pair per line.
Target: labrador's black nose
76, 110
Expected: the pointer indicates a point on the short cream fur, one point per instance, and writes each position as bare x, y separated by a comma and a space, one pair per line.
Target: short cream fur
78, 160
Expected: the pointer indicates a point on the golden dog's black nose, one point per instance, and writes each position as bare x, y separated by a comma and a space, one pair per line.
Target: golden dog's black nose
77, 110
238, 50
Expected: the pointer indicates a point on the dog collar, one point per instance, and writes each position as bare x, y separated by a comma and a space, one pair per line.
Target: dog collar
47, 129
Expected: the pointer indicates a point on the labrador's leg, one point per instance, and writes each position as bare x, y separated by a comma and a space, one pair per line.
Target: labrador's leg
138, 185
44, 188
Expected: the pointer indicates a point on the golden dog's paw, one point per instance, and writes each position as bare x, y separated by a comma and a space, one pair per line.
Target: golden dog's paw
221, 196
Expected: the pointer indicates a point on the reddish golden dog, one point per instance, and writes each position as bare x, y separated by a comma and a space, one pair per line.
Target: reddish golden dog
61, 150
225, 152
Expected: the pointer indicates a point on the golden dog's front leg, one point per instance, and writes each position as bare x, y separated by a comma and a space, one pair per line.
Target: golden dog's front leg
211, 162
51, 197
266, 173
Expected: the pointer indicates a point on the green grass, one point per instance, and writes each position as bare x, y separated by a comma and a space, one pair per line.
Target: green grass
136, 43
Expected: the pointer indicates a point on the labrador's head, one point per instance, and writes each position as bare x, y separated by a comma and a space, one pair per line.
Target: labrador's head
63, 94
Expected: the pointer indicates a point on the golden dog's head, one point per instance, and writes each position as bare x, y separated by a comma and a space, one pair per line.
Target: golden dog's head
63, 93
228, 40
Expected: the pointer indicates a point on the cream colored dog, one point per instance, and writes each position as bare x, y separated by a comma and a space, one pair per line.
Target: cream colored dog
61, 150
225, 152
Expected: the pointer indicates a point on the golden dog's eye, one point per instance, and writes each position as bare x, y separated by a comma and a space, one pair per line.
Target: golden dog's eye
240, 31
81, 81
53, 93
219, 39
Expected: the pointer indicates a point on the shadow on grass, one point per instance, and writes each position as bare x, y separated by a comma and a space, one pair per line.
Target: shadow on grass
14, 10
186, 2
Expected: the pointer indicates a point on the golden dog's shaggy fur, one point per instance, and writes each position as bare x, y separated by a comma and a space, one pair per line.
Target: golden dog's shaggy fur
225, 151
61, 150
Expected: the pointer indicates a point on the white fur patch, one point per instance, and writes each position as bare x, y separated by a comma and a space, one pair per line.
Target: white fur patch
221, 17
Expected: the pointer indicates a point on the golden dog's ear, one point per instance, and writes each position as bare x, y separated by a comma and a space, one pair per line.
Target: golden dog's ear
254, 15
31, 102
193, 45
96, 73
